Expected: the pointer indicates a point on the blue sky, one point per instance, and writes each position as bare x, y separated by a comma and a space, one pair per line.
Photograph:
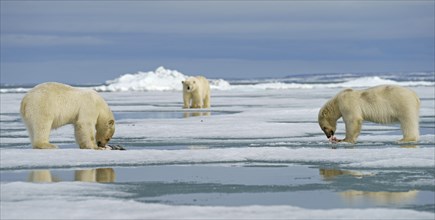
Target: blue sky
93, 41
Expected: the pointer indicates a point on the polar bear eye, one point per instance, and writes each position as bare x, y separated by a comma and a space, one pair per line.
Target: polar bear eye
108, 139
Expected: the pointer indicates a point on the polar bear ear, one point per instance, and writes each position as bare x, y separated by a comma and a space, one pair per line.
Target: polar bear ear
111, 122
325, 112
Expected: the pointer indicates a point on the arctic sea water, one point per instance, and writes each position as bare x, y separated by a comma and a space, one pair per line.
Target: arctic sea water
257, 153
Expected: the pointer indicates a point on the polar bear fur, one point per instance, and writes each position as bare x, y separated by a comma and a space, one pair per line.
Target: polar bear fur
381, 104
196, 92
52, 105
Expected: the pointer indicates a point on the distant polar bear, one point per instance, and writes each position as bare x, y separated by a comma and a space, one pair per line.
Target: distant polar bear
196, 92
52, 105
381, 104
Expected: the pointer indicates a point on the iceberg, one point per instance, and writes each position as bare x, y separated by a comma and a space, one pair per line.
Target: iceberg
163, 79
159, 80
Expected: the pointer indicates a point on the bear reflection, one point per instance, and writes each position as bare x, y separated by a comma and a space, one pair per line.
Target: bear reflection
357, 196
408, 146
195, 114
101, 175
379, 198
330, 174
40, 176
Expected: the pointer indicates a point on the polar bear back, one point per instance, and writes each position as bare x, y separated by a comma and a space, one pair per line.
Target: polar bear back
204, 86
382, 104
61, 103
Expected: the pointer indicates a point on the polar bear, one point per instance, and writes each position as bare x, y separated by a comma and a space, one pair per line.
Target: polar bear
197, 90
52, 105
381, 104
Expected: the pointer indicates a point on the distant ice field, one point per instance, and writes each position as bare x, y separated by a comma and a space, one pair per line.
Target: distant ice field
163, 79
257, 153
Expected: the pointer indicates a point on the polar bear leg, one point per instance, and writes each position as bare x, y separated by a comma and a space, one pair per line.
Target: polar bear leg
40, 135
207, 101
353, 129
29, 130
410, 130
186, 100
197, 101
85, 135
197, 104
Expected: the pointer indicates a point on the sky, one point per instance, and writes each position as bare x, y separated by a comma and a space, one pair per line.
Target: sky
90, 42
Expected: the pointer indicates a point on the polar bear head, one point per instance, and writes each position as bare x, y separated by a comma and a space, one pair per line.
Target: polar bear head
328, 127
105, 131
190, 84
327, 120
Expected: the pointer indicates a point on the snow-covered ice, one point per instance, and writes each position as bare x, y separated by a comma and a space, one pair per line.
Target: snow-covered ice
195, 163
90, 201
374, 158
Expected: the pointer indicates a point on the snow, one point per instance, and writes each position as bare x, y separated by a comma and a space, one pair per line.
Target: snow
265, 123
128, 209
160, 80
356, 158
14, 90
163, 79
375, 81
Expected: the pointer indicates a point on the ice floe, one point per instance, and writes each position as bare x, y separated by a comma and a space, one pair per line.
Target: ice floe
90, 201
373, 158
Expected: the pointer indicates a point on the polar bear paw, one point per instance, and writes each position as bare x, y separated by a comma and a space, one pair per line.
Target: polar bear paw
45, 146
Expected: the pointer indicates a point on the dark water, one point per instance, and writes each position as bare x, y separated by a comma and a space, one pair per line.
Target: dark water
238, 184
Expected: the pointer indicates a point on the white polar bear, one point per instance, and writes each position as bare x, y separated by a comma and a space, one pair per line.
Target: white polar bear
381, 104
52, 105
197, 91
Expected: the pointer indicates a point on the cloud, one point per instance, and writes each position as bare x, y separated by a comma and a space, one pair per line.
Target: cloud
292, 20
221, 38
49, 40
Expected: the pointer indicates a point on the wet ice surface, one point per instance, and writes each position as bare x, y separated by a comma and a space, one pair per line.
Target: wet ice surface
254, 154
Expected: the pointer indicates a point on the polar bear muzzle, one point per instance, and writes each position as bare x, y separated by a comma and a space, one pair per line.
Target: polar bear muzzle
328, 132
105, 133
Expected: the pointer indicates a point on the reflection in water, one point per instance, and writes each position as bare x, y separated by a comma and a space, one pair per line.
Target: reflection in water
379, 198
330, 174
198, 147
39, 176
196, 114
408, 146
105, 175
101, 175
